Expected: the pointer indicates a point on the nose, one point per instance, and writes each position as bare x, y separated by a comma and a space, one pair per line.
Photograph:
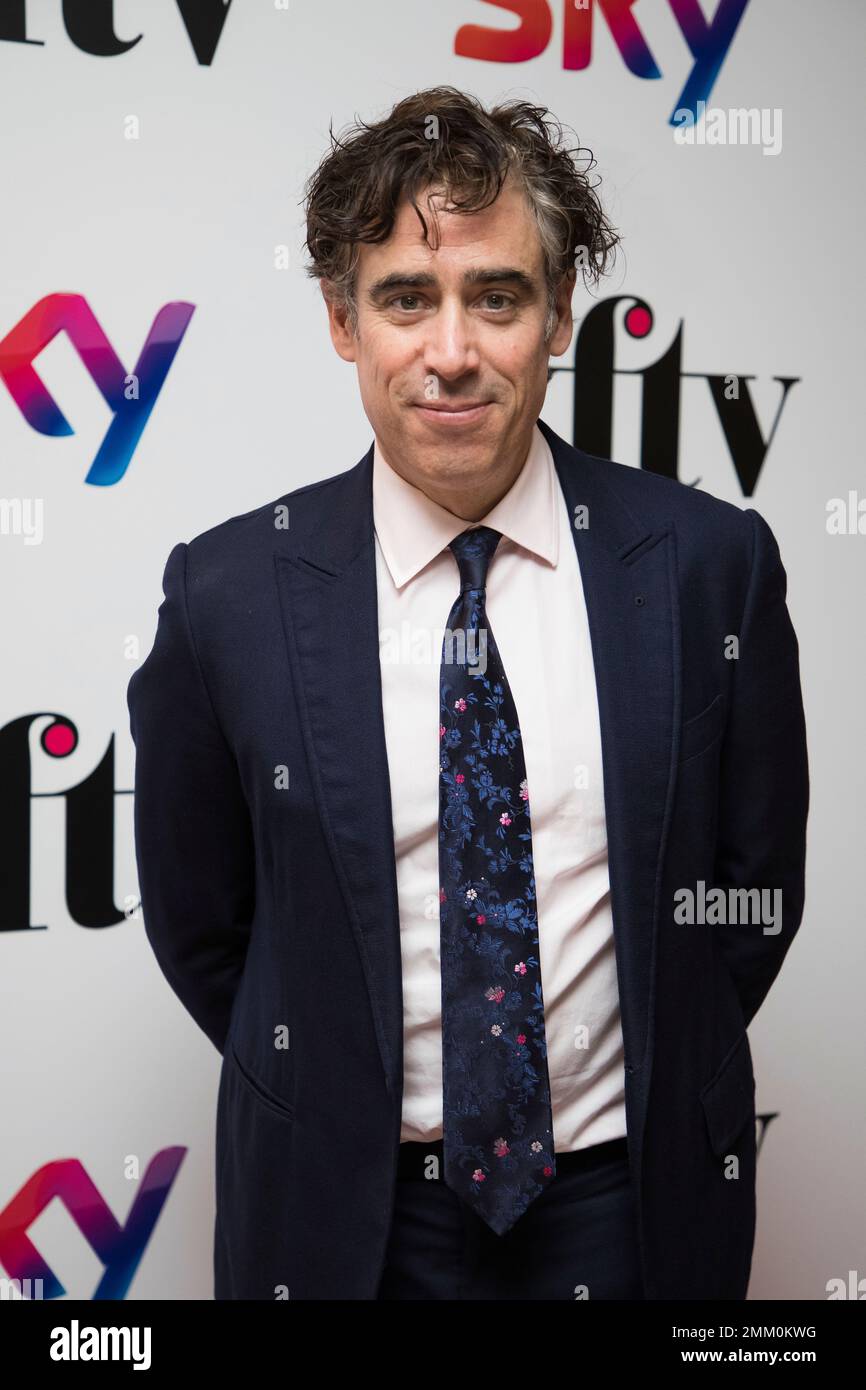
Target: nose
450, 346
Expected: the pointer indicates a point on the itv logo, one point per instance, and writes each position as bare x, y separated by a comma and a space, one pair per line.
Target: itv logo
91, 27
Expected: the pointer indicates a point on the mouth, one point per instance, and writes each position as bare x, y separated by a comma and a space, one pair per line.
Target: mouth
448, 415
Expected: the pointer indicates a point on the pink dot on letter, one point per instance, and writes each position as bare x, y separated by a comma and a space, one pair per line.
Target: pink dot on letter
59, 739
638, 321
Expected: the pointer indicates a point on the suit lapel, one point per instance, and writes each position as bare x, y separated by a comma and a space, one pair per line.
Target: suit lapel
628, 574
327, 589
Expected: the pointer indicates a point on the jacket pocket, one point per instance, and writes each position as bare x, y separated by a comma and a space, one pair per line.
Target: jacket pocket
701, 731
257, 1088
729, 1097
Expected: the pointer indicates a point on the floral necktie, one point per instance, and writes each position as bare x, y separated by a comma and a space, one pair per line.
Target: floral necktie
497, 1119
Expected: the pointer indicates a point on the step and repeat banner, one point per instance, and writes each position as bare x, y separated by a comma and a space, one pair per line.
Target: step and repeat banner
165, 364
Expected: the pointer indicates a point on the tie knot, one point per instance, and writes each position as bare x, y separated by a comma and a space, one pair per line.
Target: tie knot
473, 550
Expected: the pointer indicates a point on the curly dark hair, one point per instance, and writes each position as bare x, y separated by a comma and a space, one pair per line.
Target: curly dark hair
444, 138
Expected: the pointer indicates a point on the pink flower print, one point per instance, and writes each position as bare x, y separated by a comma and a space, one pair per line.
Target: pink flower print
442, 895
478, 1176
524, 791
495, 994
521, 1038
520, 968
460, 704
547, 1170
496, 1030
505, 819
441, 730
500, 1148
460, 777
480, 919
536, 1146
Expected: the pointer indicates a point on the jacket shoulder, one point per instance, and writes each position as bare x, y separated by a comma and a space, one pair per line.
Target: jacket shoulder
235, 551
243, 529
654, 499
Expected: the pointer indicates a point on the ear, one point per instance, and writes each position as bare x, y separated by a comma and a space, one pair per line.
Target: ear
561, 336
338, 322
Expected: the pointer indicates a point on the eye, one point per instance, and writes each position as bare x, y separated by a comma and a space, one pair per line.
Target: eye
506, 301
400, 302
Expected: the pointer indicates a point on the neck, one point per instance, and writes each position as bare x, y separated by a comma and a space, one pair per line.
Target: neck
470, 499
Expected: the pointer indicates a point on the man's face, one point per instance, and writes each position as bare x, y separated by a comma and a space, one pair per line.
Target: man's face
450, 350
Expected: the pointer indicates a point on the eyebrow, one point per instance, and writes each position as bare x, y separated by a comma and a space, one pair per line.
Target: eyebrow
423, 280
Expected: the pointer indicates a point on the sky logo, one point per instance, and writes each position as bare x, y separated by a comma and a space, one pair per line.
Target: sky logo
709, 41
130, 396
120, 1248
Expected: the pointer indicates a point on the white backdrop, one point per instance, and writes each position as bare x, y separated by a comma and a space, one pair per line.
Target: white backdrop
756, 256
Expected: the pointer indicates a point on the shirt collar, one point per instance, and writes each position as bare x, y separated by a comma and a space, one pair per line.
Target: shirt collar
412, 529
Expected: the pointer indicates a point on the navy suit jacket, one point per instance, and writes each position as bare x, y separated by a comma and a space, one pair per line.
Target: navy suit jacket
266, 860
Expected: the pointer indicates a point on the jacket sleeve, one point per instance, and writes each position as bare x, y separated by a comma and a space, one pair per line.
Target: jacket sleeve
764, 790
193, 836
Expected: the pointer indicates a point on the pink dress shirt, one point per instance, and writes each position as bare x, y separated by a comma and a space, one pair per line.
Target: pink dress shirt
535, 608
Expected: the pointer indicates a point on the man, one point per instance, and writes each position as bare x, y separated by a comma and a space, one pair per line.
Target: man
458, 774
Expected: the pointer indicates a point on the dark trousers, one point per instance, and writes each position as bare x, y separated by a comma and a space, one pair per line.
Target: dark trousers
577, 1240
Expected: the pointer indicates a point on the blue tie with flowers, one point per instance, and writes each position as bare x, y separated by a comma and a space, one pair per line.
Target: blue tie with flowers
497, 1119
